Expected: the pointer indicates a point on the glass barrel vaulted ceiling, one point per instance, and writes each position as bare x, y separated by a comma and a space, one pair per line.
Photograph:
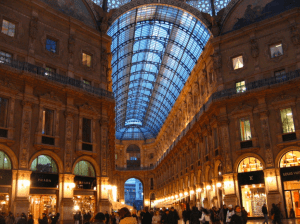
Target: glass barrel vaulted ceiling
154, 49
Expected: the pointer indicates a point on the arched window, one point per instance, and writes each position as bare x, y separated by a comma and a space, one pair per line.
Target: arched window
250, 164
289, 159
5, 163
44, 164
84, 168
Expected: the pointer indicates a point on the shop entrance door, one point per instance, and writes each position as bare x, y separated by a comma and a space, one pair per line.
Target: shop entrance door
292, 202
42, 204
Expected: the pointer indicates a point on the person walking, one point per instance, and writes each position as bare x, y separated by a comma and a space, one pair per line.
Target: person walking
44, 220
173, 215
244, 215
205, 218
113, 219
156, 218
230, 213
195, 215
10, 219
164, 216
30, 220
276, 214
54, 218
223, 214
186, 213
106, 217
147, 217
99, 218
23, 219
214, 217
265, 212
126, 217
237, 218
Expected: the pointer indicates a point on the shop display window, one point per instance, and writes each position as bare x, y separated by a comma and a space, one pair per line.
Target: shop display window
84, 204
290, 159
4, 203
5, 162
40, 204
253, 198
44, 164
250, 164
287, 120
84, 168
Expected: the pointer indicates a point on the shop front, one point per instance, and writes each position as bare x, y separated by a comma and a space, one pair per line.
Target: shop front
85, 191
252, 186
290, 177
44, 187
5, 182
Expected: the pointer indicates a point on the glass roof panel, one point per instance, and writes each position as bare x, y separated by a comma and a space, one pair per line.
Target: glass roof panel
154, 52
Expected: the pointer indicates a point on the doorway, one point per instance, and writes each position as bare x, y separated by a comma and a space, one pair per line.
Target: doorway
133, 193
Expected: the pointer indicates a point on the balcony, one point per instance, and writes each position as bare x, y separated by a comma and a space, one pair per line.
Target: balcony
52, 76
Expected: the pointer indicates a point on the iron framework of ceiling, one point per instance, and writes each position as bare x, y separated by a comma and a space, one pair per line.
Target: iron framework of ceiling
154, 49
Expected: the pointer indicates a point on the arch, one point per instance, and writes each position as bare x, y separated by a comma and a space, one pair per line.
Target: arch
284, 151
53, 155
11, 155
89, 159
216, 168
5, 162
240, 158
44, 164
175, 4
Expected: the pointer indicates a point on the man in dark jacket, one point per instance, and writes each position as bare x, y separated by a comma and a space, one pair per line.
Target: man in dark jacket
164, 216
174, 217
55, 218
106, 217
265, 212
186, 213
223, 213
277, 214
44, 220
195, 215
147, 217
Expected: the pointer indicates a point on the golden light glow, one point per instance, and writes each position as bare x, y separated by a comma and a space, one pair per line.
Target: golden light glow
219, 184
208, 187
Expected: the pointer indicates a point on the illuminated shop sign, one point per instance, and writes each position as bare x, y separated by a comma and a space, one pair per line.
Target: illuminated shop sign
44, 180
247, 178
290, 173
5, 177
84, 182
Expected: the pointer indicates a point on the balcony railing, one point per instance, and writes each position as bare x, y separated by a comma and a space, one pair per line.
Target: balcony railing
39, 71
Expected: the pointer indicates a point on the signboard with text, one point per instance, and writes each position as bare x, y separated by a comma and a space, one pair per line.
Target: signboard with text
44, 180
248, 178
84, 182
290, 173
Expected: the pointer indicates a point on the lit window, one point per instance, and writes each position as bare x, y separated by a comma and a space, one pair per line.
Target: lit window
50, 70
48, 121
8, 28
245, 129
51, 45
287, 120
116, 156
86, 82
240, 87
291, 158
238, 62
276, 50
86, 130
5, 57
3, 112
86, 59
250, 164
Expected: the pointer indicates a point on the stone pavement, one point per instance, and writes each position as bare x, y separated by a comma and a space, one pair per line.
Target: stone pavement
284, 221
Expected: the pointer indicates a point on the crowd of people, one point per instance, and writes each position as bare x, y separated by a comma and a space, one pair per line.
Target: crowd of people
224, 215
9, 218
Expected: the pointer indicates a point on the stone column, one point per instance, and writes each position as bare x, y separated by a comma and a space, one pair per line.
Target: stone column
104, 204
230, 197
67, 206
21, 202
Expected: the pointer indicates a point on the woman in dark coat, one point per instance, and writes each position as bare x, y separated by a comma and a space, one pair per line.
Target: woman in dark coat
237, 217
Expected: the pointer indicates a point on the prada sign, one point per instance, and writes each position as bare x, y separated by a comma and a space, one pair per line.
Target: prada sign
44, 180
290, 173
85, 182
5, 177
248, 178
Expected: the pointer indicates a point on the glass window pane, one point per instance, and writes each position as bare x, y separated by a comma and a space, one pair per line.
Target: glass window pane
8, 28
238, 62
3, 112
86, 130
240, 87
287, 120
44, 164
86, 59
51, 45
5, 162
84, 168
276, 50
250, 164
291, 158
48, 122
5, 57
245, 129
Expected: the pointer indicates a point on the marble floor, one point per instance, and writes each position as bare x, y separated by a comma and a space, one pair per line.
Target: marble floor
284, 221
